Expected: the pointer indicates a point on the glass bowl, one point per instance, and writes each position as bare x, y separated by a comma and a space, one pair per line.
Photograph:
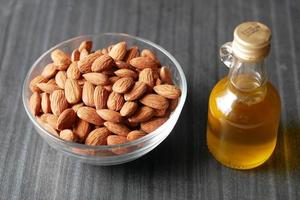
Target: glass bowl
115, 154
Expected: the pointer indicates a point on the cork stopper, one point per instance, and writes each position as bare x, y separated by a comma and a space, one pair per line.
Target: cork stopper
251, 41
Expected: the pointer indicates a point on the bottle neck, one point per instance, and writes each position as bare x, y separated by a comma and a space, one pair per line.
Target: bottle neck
247, 76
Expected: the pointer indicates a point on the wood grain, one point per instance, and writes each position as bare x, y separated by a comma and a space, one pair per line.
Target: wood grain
181, 167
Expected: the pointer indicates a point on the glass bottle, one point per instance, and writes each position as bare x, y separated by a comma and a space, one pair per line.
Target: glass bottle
244, 107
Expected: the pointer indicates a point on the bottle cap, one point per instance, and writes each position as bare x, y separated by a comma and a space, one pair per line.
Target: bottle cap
251, 41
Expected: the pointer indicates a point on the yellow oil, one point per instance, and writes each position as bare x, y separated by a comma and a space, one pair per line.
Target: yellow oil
242, 123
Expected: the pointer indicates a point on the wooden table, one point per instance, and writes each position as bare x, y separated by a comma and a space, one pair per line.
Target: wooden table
181, 167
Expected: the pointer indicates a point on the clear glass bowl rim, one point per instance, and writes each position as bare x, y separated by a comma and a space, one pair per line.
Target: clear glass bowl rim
149, 136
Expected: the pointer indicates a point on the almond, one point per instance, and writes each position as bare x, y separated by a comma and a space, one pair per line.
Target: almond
73, 71
165, 75
153, 124
67, 135
73, 91
134, 135
51, 81
131, 53
83, 54
66, 119
104, 62
160, 112
109, 47
143, 114
126, 73
115, 101
123, 65
33, 83
85, 64
123, 85
143, 62
60, 59
147, 76
173, 104
158, 82
81, 129
148, 53
108, 88
47, 87
35, 103
118, 51
60, 79
136, 92
117, 128
168, 91
90, 115
128, 108
51, 120
50, 129
58, 102
87, 44
88, 94
49, 71
81, 81
75, 55
98, 137
45, 103
44, 116
109, 115
100, 97
77, 106
96, 78
155, 101
115, 140
104, 51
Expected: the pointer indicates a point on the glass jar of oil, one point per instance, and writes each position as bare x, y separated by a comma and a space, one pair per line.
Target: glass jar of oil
244, 107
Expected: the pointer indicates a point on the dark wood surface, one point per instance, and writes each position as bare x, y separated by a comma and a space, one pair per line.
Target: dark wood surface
181, 167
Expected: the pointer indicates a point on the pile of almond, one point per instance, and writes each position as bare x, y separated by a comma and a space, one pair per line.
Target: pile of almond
104, 97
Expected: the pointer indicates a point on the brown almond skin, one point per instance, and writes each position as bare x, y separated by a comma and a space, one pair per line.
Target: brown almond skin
173, 104
98, 137
148, 53
100, 97
96, 78
128, 109
168, 91
147, 76
81, 129
118, 51
110, 115
77, 106
35, 103
73, 91
85, 65
115, 101
90, 115
123, 85
132, 53
58, 102
60, 59
160, 113
73, 71
87, 44
83, 54
126, 73
75, 55
153, 124
165, 75
134, 135
88, 94
51, 120
49, 71
155, 101
104, 62
48, 87
68, 135
136, 92
113, 79
36, 80
117, 128
144, 62
115, 140
60, 79
123, 65
66, 119
143, 114
45, 103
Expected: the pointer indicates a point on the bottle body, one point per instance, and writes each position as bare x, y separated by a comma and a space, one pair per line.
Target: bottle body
242, 125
